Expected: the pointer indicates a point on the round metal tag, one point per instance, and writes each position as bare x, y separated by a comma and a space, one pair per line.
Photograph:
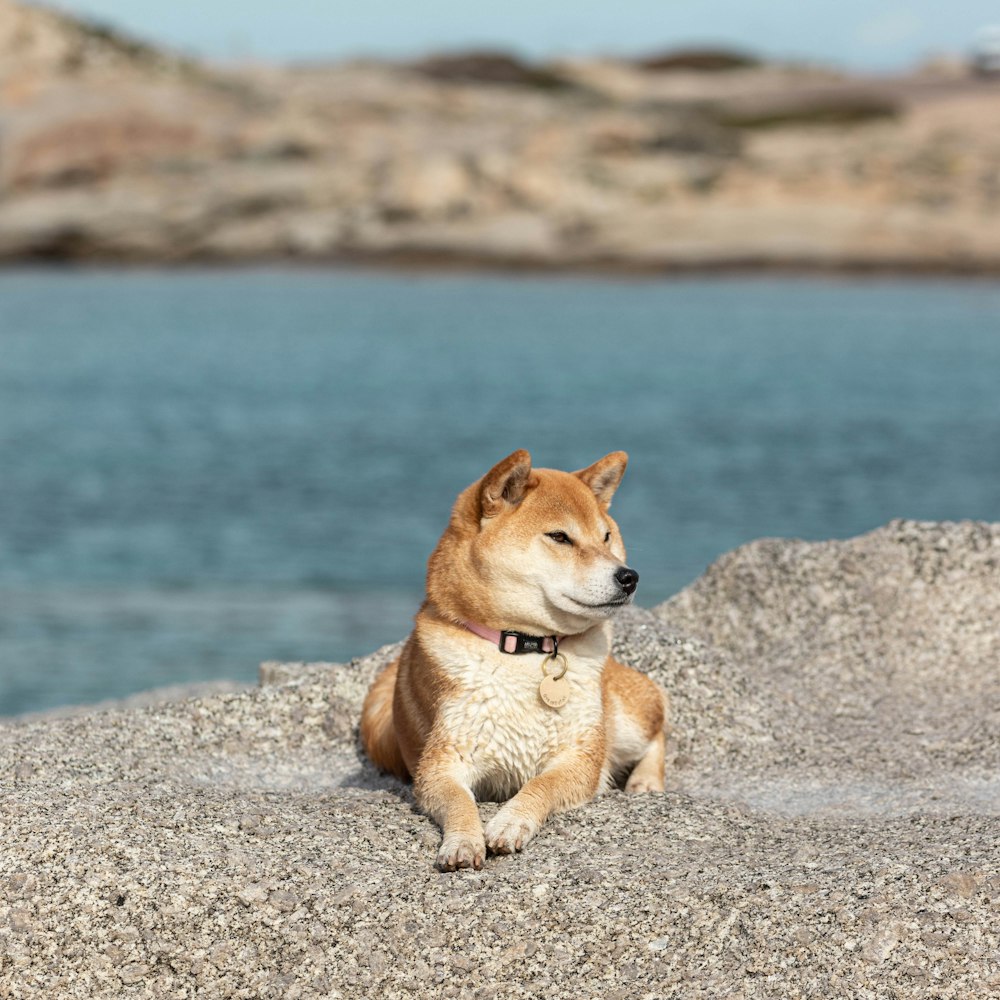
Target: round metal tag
554, 691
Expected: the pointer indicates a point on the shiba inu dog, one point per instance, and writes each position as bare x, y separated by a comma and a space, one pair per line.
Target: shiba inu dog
506, 688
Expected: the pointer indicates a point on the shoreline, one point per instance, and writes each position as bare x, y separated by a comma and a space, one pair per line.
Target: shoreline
446, 263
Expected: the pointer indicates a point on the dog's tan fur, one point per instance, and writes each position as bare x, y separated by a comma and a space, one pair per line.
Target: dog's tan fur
465, 720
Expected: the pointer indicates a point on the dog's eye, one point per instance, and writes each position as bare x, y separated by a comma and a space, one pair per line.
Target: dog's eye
560, 536
607, 538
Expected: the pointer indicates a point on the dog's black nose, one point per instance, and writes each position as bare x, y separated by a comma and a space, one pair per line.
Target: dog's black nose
627, 579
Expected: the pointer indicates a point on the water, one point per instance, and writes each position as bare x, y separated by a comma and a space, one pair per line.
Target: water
203, 470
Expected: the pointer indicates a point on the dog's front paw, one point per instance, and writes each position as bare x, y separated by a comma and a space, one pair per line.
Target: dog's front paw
509, 831
461, 850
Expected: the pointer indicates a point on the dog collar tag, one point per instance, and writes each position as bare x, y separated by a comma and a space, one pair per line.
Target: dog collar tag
554, 689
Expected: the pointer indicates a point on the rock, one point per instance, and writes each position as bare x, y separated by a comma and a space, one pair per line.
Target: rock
92, 148
114, 150
253, 894
881, 944
660, 133
830, 824
134, 972
284, 901
432, 186
344, 894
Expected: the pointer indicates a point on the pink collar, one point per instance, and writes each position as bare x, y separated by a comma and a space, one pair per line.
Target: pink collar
509, 641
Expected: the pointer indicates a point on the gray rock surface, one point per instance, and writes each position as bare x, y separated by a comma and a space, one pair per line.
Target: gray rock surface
830, 828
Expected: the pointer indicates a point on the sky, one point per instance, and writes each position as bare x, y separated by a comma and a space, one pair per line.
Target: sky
859, 34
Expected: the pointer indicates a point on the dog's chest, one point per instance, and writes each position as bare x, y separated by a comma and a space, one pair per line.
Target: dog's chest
498, 723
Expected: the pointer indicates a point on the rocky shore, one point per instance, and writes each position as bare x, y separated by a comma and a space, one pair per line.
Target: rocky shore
831, 827
113, 151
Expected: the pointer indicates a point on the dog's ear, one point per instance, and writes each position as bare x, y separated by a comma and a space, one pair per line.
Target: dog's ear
505, 484
604, 476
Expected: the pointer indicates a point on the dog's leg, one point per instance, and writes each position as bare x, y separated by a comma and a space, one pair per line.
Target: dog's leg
378, 734
442, 789
647, 775
570, 780
637, 721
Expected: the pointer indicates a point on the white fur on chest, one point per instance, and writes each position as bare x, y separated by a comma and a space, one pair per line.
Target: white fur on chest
502, 730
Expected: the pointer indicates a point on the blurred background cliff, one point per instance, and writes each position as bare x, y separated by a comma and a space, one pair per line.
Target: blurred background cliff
114, 149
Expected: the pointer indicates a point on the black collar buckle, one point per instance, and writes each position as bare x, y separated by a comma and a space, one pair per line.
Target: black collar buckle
518, 642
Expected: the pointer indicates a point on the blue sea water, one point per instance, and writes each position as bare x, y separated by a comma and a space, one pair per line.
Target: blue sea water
200, 470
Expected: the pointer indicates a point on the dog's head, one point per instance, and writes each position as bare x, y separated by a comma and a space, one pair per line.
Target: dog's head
534, 550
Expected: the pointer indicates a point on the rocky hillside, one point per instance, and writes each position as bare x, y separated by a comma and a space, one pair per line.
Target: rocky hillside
113, 150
